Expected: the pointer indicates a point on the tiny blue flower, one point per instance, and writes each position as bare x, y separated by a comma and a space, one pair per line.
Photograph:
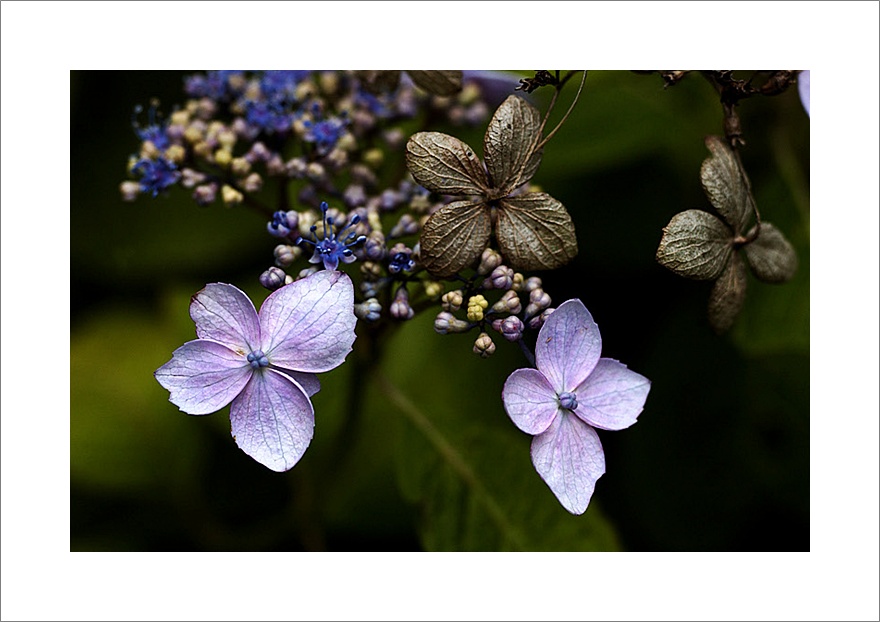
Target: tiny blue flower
155, 131
270, 116
277, 85
334, 245
401, 262
324, 133
214, 84
156, 175
282, 223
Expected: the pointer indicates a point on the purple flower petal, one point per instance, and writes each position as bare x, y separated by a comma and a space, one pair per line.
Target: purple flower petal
203, 376
568, 346
804, 89
612, 397
224, 313
273, 420
569, 458
309, 324
530, 401
309, 382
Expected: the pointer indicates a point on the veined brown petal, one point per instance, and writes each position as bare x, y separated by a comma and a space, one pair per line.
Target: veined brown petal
695, 244
771, 256
535, 232
444, 164
454, 237
437, 82
507, 147
728, 295
725, 185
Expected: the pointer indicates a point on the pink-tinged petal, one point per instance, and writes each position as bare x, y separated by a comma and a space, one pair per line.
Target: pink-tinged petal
612, 397
309, 324
224, 313
568, 346
529, 400
309, 382
569, 458
203, 376
273, 420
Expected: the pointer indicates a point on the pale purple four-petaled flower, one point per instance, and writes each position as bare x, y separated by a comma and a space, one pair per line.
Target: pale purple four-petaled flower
264, 364
571, 392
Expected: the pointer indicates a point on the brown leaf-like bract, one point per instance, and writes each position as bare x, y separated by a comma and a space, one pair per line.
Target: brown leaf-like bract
444, 164
437, 82
695, 244
771, 256
728, 295
725, 185
507, 147
454, 237
535, 232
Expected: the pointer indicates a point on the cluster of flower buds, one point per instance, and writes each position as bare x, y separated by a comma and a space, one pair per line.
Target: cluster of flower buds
318, 155
520, 303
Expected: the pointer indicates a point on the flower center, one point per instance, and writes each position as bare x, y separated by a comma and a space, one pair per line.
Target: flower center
257, 359
335, 246
568, 400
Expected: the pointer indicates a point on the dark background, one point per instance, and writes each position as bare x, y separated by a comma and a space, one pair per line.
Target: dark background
719, 460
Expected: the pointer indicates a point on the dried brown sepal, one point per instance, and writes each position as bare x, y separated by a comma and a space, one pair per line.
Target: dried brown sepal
535, 232
695, 244
444, 164
725, 185
454, 237
437, 82
771, 256
728, 295
508, 147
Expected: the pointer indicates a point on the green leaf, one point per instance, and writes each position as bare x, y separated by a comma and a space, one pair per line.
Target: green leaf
461, 459
771, 256
508, 145
725, 185
454, 237
535, 232
443, 164
695, 244
728, 295
437, 82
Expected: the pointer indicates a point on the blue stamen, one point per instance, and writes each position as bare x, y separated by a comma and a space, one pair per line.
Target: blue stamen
258, 359
334, 245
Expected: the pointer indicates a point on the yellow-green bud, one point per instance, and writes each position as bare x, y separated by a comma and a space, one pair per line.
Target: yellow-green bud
176, 153
476, 305
433, 289
240, 166
373, 158
193, 134
226, 138
223, 157
149, 151
231, 196
329, 82
179, 117
518, 280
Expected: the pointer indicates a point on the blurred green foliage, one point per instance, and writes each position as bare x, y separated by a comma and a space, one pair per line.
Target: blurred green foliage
718, 461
